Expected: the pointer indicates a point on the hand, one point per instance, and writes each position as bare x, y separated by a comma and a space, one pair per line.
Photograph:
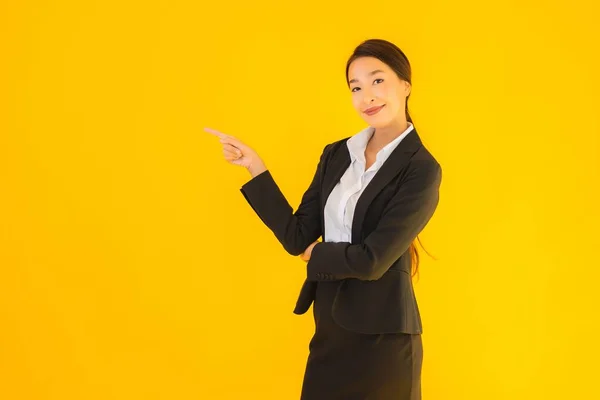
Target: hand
238, 153
308, 252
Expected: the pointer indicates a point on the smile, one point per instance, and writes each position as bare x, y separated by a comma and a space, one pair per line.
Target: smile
373, 110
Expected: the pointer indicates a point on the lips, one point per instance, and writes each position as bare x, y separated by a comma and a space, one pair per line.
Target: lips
373, 110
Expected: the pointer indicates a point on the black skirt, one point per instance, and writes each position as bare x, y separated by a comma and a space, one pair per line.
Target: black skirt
345, 365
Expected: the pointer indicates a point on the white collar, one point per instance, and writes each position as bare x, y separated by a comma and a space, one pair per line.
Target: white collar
358, 143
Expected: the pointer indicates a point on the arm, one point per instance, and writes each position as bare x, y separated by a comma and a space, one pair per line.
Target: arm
294, 230
405, 216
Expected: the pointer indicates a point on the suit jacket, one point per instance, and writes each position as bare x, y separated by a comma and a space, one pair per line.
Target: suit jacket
375, 292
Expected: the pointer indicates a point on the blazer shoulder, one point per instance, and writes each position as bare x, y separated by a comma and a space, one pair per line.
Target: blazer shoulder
423, 166
424, 157
334, 147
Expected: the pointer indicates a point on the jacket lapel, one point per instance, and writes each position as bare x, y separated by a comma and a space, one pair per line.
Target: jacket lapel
388, 170
333, 173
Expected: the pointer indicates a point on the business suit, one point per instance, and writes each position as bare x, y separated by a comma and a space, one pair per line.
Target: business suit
366, 282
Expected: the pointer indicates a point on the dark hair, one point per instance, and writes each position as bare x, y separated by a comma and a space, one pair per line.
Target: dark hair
395, 58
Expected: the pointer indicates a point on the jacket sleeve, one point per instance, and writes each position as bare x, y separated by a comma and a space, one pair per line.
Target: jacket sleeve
404, 217
294, 230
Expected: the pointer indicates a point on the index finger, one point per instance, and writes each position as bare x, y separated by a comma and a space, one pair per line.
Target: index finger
216, 132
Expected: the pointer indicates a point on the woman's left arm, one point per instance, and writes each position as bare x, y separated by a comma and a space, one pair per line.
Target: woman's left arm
405, 216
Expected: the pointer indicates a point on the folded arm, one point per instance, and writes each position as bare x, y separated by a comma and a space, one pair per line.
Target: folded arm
405, 216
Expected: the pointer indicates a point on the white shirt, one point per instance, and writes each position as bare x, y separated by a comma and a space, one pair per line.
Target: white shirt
339, 209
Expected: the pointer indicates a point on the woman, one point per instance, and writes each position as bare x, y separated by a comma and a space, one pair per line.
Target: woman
371, 195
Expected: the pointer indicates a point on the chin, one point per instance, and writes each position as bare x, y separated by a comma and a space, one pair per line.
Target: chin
378, 122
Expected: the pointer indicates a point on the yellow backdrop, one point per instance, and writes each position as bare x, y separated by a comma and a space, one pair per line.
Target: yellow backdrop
133, 268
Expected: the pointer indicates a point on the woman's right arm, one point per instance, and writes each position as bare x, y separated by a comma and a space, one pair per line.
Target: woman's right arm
294, 230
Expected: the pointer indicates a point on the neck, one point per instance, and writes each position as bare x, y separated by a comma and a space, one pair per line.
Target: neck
386, 134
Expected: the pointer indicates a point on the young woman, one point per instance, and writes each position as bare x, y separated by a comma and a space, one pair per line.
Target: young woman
371, 195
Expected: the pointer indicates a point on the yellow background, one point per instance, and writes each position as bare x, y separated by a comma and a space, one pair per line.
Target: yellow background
133, 268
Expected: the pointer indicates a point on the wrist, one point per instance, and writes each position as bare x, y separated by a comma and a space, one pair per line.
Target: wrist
257, 169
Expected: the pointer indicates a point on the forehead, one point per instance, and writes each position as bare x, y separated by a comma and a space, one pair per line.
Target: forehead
363, 66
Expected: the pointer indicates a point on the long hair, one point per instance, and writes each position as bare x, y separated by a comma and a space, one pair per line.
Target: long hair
395, 58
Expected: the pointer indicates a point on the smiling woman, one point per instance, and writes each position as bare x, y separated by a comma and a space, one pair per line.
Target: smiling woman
371, 195
381, 187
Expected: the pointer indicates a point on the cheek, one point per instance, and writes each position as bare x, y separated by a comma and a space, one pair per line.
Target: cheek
356, 101
386, 94
392, 98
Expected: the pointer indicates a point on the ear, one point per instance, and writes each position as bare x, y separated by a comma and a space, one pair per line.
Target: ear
408, 87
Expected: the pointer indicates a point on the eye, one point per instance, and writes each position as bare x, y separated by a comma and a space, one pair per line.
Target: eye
378, 79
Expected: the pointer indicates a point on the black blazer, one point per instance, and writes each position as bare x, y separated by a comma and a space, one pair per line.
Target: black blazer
375, 292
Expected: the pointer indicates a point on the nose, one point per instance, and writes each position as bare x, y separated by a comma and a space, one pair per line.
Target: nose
368, 98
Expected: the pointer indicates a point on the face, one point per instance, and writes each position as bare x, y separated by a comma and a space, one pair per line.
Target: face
373, 84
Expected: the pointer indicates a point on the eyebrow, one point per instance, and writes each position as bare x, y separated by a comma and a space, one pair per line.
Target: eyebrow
371, 73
